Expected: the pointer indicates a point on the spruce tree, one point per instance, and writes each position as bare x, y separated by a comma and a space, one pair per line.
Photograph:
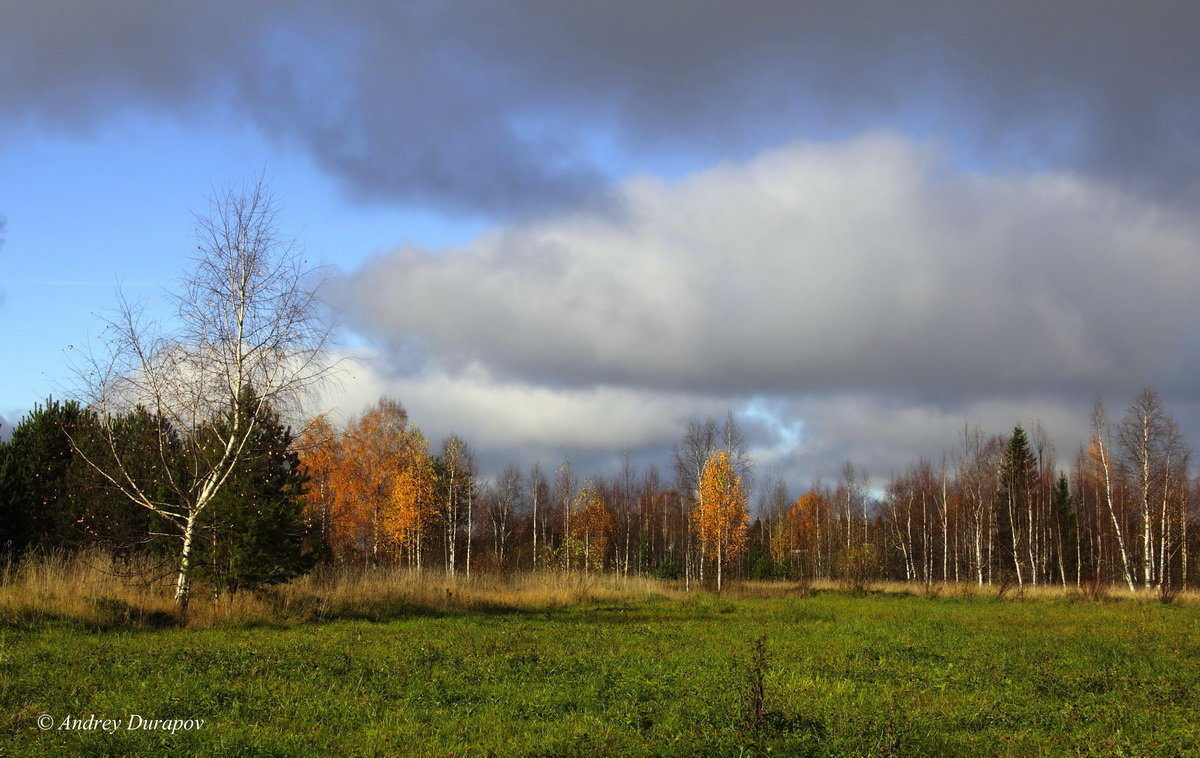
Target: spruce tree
254, 532
39, 483
11, 527
1064, 512
1018, 470
52, 498
150, 451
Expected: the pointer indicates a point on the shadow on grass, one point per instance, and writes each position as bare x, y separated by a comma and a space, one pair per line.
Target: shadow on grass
107, 615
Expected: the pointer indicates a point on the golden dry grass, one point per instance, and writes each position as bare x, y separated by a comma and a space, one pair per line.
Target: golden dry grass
91, 586
98, 590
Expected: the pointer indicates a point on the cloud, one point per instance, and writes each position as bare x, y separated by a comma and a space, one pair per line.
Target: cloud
1019, 238
886, 437
522, 422
864, 266
860, 300
800, 438
501, 109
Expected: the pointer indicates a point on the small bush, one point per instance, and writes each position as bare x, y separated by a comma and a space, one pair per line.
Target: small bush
859, 566
1168, 591
1096, 587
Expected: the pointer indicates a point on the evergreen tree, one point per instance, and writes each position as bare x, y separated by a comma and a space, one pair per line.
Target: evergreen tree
39, 480
106, 515
51, 497
1018, 469
1064, 513
11, 527
761, 565
255, 532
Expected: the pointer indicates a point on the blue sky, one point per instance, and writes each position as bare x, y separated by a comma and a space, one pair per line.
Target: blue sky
567, 229
88, 212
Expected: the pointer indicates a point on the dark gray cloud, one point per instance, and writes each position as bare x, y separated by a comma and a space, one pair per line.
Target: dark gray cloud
500, 108
797, 436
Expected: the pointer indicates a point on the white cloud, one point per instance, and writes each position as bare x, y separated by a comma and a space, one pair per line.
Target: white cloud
509, 421
853, 301
799, 438
510, 413
866, 265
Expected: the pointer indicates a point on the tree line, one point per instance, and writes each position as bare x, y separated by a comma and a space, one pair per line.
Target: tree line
379, 493
1000, 508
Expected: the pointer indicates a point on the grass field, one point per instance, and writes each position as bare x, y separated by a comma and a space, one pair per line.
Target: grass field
643, 674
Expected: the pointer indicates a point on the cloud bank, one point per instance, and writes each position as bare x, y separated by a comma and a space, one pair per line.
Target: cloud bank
865, 266
514, 108
859, 286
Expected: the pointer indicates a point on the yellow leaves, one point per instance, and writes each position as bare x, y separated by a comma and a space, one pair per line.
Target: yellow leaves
372, 483
411, 503
780, 541
806, 518
593, 526
721, 515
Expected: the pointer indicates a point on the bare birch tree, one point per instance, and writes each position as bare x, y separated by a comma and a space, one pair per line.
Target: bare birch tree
1142, 436
246, 334
1099, 451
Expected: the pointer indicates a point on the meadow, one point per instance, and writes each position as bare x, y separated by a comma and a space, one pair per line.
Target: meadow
404, 664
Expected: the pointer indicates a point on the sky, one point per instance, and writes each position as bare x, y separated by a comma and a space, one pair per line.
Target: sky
568, 229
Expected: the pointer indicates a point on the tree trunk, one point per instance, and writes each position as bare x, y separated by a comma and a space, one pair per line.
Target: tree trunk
1112, 512
535, 523
183, 584
720, 545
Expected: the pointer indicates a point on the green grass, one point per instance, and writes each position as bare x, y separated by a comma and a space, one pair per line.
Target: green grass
880, 675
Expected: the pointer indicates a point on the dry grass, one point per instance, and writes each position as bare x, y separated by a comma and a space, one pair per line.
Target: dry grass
338, 592
100, 591
960, 590
1041, 592
89, 586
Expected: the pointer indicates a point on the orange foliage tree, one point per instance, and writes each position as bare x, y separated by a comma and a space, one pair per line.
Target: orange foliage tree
411, 508
808, 527
721, 514
375, 450
320, 452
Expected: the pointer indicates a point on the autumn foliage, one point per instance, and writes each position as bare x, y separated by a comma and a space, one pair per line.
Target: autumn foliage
592, 528
721, 514
807, 527
371, 487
